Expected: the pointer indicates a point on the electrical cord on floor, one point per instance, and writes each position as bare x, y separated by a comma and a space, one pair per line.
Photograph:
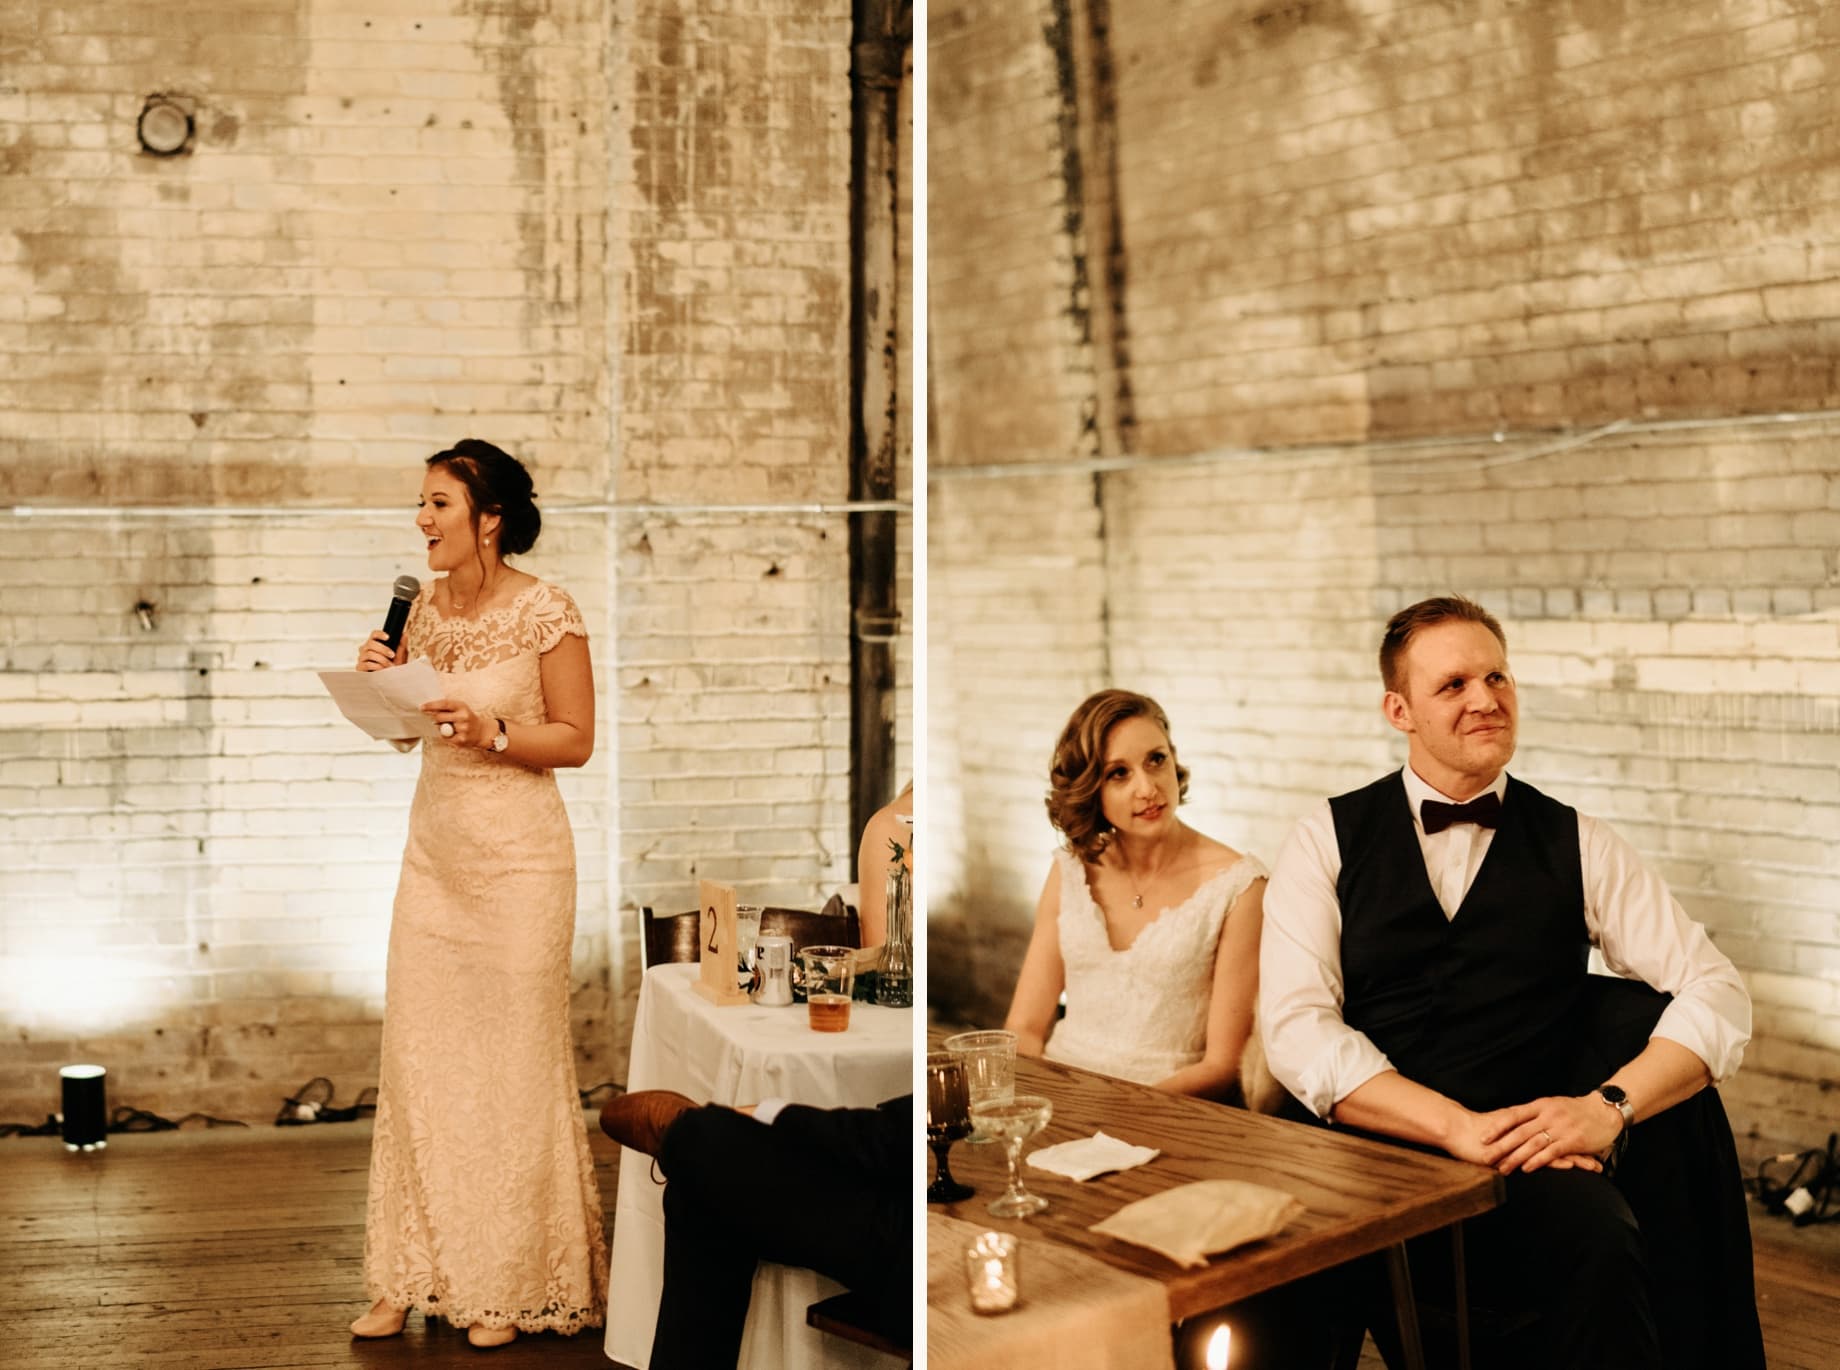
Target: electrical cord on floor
126, 1119
312, 1103
49, 1128
123, 1119
1810, 1190
587, 1095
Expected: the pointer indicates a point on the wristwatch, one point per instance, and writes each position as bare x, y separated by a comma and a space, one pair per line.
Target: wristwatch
503, 740
1614, 1096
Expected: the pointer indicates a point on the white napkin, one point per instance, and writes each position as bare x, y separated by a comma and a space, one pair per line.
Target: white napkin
1086, 1157
1194, 1221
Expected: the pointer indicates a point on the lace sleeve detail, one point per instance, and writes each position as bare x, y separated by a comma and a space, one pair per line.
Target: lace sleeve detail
552, 616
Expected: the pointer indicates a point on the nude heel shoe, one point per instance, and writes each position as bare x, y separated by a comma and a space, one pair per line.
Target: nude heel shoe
490, 1336
381, 1321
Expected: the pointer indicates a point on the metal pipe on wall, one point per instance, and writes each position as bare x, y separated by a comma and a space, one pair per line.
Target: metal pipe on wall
881, 36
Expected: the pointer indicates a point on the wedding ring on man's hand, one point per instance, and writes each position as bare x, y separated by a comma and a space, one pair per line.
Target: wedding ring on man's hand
447, 730
1547, 1135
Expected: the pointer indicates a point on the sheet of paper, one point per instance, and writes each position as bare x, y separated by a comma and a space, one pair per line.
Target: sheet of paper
387, 703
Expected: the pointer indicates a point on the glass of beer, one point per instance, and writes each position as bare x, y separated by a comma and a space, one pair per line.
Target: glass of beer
830, 977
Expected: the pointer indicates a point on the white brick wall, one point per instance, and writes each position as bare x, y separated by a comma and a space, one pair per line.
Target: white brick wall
1356, 225
611, 235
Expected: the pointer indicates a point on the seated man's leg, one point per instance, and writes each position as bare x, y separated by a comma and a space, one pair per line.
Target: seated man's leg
1556, 1276
1570, 1249
1680, 1175
736, 1193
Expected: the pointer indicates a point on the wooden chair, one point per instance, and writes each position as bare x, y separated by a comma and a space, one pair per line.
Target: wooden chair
664, 938
848, 1316
834, 925
667, 938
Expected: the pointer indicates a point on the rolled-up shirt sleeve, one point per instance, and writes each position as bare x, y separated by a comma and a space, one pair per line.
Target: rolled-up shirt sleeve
1308, 1047
1643, 932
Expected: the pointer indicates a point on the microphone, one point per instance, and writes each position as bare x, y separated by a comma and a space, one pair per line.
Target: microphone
402, 594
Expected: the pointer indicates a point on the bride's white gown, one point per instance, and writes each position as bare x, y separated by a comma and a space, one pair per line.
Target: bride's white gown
1140, 1013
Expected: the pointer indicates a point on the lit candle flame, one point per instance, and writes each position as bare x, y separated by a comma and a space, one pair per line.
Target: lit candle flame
1218, 1347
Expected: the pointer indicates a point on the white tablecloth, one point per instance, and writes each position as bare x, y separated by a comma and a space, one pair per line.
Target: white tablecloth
740, 1056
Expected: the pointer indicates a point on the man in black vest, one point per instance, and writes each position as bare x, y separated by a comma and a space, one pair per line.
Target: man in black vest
1424, 976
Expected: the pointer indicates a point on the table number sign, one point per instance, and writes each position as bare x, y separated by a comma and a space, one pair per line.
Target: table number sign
716, 940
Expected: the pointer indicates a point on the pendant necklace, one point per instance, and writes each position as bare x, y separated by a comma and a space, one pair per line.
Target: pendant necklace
1137, 891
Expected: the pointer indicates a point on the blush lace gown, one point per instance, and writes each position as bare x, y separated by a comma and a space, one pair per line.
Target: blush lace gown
1141, 1013
482, 1205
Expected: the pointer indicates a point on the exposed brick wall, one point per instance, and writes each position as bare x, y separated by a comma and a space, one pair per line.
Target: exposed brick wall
611, 237
1360, 222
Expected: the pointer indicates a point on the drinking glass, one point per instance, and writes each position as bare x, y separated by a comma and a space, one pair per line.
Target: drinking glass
1013, 1122
948, 1120
747, 937
990, 1067
830, 974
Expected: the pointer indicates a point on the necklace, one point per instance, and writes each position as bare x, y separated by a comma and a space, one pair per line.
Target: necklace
1137, 890
460, 605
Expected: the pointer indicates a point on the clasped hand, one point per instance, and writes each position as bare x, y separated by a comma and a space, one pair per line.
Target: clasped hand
1561, 1131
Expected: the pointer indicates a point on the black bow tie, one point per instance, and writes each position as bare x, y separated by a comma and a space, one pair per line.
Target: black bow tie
1485, 811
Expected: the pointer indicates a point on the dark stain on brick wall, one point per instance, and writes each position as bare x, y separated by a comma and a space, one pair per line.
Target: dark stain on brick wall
737, 173
508, 30
1058, 34
1117, 259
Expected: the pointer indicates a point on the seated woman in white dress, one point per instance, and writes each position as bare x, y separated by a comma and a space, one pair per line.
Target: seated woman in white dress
1150, 927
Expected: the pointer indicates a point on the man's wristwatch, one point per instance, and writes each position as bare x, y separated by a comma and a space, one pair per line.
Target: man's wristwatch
1614, 1096
503, 740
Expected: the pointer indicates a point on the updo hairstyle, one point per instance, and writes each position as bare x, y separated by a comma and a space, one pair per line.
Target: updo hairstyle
1078, 772
496, 483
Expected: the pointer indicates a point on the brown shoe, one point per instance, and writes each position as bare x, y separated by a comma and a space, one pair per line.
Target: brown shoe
639, 1121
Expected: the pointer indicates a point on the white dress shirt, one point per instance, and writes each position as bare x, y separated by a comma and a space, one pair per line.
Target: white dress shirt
1638, 926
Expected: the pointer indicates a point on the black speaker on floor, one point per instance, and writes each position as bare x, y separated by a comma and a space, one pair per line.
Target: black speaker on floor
86, 1112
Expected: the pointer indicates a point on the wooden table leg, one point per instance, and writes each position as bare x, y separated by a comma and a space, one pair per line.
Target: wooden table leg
1404, 1306
1456, 1264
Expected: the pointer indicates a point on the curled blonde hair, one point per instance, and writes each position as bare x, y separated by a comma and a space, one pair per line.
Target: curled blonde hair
1078, 769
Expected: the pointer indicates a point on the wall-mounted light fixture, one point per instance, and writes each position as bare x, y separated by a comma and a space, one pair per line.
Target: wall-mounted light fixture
86, 1114
165, 126
144, 612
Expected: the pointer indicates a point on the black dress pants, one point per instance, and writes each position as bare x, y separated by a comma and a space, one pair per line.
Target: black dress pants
1650, 1268
1557, 1276
738, 1192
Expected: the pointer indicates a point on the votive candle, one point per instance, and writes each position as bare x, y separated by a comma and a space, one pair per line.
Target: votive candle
993, 1274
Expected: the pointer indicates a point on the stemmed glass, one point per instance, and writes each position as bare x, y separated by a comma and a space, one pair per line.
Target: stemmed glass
1013, 1121
947, 1121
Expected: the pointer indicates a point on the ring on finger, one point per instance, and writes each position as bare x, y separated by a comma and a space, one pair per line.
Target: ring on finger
447, 730
1547, 1135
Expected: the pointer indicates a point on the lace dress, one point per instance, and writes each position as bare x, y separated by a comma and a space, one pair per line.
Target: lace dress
1141, 1013
482, 1205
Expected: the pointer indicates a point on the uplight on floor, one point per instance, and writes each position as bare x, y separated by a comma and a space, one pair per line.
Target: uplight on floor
85, 1123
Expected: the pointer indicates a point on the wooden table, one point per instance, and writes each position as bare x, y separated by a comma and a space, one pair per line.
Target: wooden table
1359, 1196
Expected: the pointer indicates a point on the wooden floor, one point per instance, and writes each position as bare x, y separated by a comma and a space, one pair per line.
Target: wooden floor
229, 1249
1798, 1294
215, 1251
